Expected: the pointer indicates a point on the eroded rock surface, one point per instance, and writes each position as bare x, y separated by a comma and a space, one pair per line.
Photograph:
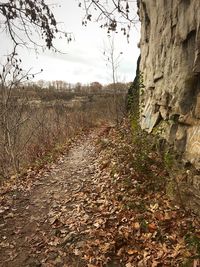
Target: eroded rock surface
170, 66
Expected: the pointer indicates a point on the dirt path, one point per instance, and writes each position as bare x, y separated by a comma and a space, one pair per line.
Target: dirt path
93, 209
37, 226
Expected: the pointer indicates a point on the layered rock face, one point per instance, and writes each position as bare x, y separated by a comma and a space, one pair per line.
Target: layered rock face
170, 66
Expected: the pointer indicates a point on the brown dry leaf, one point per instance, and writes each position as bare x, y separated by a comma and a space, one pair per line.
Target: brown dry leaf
120, 251
177, 250
105, 247
4, 244
153, 207
54, 242
136, 225
159, 216
173, 237
132, 251
155, 263
196, 263
167, 216
105, 164
99, 222
160, 254
54, 221
77, 252
9, 215
152, 227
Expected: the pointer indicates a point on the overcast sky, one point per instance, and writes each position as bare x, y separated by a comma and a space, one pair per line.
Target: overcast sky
82, 59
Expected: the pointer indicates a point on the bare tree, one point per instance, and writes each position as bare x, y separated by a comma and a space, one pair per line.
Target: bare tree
112, 58
12, 116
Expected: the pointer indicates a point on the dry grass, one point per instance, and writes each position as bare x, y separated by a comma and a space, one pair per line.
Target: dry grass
34, 121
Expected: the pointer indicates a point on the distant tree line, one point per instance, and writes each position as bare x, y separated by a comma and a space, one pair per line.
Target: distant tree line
93, 87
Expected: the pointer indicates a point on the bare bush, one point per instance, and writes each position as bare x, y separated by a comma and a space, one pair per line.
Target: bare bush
34, 121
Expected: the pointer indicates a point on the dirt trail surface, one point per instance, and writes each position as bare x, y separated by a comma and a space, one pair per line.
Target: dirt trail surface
37, 226
97, 206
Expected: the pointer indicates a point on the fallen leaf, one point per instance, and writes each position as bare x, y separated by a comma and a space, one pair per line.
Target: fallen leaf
136, 225
132, 251
152, 227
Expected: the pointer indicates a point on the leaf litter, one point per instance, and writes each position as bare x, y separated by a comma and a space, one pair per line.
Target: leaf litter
92, 208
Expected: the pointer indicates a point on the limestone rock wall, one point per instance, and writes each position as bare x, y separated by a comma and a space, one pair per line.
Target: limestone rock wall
170, 66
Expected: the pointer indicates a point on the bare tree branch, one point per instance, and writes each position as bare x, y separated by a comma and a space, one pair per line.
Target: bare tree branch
112, 14
23, 20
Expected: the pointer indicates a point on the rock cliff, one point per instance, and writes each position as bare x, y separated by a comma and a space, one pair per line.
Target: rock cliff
170, 66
